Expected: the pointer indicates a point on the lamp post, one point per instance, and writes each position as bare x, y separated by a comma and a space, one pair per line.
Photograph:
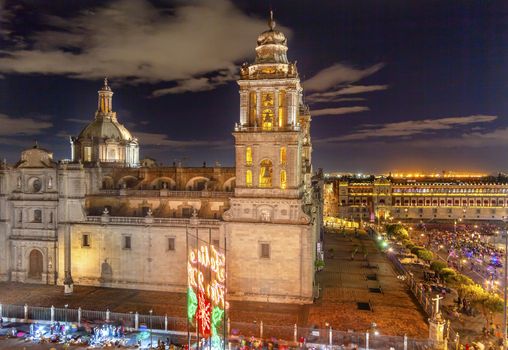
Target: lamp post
151, 311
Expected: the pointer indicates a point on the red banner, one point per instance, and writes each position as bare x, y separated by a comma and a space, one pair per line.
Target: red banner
203, 315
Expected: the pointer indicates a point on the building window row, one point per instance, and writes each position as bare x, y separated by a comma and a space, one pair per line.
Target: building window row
451, 202
127, 242
450, 190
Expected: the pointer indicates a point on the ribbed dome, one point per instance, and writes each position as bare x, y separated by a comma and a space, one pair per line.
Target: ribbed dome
272, 45
105, 128
272, 37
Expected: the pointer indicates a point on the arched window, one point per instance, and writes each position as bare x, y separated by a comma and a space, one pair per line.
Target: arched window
248, 178
267, 119
283, 179
248, 156
283, 155
265, 173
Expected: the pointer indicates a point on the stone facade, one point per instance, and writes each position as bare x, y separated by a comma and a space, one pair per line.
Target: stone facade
112, 220
422, 198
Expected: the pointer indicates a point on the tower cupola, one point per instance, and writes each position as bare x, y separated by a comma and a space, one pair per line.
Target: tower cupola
272, 45
105, 106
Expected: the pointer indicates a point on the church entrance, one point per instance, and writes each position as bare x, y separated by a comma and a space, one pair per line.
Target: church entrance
35, 265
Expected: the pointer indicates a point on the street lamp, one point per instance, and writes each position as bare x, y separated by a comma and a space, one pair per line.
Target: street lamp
151, 311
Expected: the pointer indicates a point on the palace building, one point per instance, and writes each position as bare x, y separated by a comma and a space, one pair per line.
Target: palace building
445, 196
107, 218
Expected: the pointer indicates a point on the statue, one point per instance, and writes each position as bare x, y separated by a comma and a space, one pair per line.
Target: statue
436, 312
68, 283
244, 71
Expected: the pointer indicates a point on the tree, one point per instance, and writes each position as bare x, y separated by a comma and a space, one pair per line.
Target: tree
488, 303
319, 264
425, 255
410, 245
401, 234
447, 274
461, 279
396, 231
438, 265
416, 249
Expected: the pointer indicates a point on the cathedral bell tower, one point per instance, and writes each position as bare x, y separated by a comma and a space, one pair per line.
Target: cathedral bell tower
271, 224
272, 138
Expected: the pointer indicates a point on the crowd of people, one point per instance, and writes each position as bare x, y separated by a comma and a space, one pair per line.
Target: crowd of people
467, 247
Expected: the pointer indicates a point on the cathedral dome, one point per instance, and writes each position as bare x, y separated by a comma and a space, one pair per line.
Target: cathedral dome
272, 37
105, 140
105, 128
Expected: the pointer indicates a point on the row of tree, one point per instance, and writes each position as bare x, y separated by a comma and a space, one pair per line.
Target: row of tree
488, 303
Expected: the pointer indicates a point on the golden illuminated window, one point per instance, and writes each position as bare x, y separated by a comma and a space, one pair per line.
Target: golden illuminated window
282, 108
253, 107
248, 178
267, 99
283, 179
87, 156
267, 119
265, 173
283, 155
248, 156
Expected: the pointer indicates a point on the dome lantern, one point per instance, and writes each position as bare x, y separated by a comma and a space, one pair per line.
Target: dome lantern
272, 45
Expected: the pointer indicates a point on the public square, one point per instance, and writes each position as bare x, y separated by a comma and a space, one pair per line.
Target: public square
344, 283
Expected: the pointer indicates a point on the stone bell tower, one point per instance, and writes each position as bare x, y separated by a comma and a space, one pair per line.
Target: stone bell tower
269, 210
270, 138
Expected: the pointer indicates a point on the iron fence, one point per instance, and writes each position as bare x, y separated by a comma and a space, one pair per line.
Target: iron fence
234, 330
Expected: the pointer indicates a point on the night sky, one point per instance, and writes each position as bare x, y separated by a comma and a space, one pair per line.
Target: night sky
396, 85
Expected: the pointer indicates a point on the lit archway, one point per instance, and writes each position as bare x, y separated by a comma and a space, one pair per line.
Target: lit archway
265, 173
35, 264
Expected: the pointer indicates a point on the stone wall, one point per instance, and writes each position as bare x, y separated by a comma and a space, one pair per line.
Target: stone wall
148, 264
286, 276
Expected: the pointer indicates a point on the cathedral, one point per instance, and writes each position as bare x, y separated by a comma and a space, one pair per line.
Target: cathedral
106, 218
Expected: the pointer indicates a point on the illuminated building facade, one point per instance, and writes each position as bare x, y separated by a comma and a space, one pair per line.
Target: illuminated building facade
418, 197
106, 218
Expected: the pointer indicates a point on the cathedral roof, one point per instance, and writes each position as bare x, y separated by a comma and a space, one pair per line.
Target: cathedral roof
36, 157
105, 128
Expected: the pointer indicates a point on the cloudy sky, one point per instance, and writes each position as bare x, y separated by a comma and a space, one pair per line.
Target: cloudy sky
392, 85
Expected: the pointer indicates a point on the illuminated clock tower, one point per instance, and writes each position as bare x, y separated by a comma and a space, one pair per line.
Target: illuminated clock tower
271, 211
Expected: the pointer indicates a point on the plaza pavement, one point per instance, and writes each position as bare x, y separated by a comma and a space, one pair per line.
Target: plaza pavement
343, 283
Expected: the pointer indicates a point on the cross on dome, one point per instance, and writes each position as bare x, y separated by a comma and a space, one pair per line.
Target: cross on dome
106, 87
271, 22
